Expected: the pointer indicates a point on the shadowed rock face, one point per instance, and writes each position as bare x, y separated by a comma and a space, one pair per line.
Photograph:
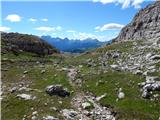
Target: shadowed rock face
145, 25
29, 43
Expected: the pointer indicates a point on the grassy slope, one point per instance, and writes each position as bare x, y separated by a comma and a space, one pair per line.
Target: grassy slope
131, 107
12, 107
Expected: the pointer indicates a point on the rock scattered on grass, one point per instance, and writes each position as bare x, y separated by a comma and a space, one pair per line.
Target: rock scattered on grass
50, 118
25, 72
57, 90
101, 97
121, 94
25, 96
86, 105
69, 113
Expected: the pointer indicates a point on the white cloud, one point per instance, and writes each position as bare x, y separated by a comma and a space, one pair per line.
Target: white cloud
110, 26
70, 31
33, 20
124, 3
83, 36
3, 28
97, 28
13, 18
44, 19
48, 29
59, 28
137, 3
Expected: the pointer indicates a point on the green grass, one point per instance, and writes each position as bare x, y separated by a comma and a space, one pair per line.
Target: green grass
123, 47
14, 108
132, 106
27, 56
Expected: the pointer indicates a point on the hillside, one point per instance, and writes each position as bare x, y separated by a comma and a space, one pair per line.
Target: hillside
22, 42
144, 26
73, 46
119, 81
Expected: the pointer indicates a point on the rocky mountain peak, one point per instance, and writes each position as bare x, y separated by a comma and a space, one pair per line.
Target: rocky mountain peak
144, 26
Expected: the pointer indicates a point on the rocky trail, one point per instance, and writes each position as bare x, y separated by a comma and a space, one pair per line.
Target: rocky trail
86, 104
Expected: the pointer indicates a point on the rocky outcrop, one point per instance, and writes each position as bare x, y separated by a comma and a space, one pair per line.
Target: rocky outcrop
16, 42
144, 26
149, 86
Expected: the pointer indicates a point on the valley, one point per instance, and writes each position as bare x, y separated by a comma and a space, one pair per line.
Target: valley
116, 81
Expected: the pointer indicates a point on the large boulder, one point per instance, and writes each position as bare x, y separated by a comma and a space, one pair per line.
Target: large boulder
57, 90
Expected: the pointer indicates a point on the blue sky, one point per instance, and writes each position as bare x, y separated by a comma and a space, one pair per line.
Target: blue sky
75, 20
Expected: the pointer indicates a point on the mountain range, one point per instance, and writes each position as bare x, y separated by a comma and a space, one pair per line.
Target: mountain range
74, 46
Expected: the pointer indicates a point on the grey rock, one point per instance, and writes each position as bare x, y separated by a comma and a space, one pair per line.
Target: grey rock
33, 118
57, 90
155, 57
69, 113
138, 72
121, 95
12, 90
43, 71
142, 84
50, 118
115, 67
24, 96
25, 72
86, 105
54, 108
34, 113
146, 94
101, 97
151, 78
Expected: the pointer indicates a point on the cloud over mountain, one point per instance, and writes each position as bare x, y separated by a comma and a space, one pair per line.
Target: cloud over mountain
48, 29
124, 3
109, 26
3, 28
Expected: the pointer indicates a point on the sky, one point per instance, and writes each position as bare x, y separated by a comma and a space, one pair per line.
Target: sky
80, 19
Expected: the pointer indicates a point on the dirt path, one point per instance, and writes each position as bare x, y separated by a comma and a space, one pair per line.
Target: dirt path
98, 112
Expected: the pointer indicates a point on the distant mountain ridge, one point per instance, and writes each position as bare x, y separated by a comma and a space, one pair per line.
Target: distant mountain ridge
74, 46
144, 26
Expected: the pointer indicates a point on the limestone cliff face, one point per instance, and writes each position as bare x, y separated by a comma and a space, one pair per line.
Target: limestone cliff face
145, 25
29, 43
